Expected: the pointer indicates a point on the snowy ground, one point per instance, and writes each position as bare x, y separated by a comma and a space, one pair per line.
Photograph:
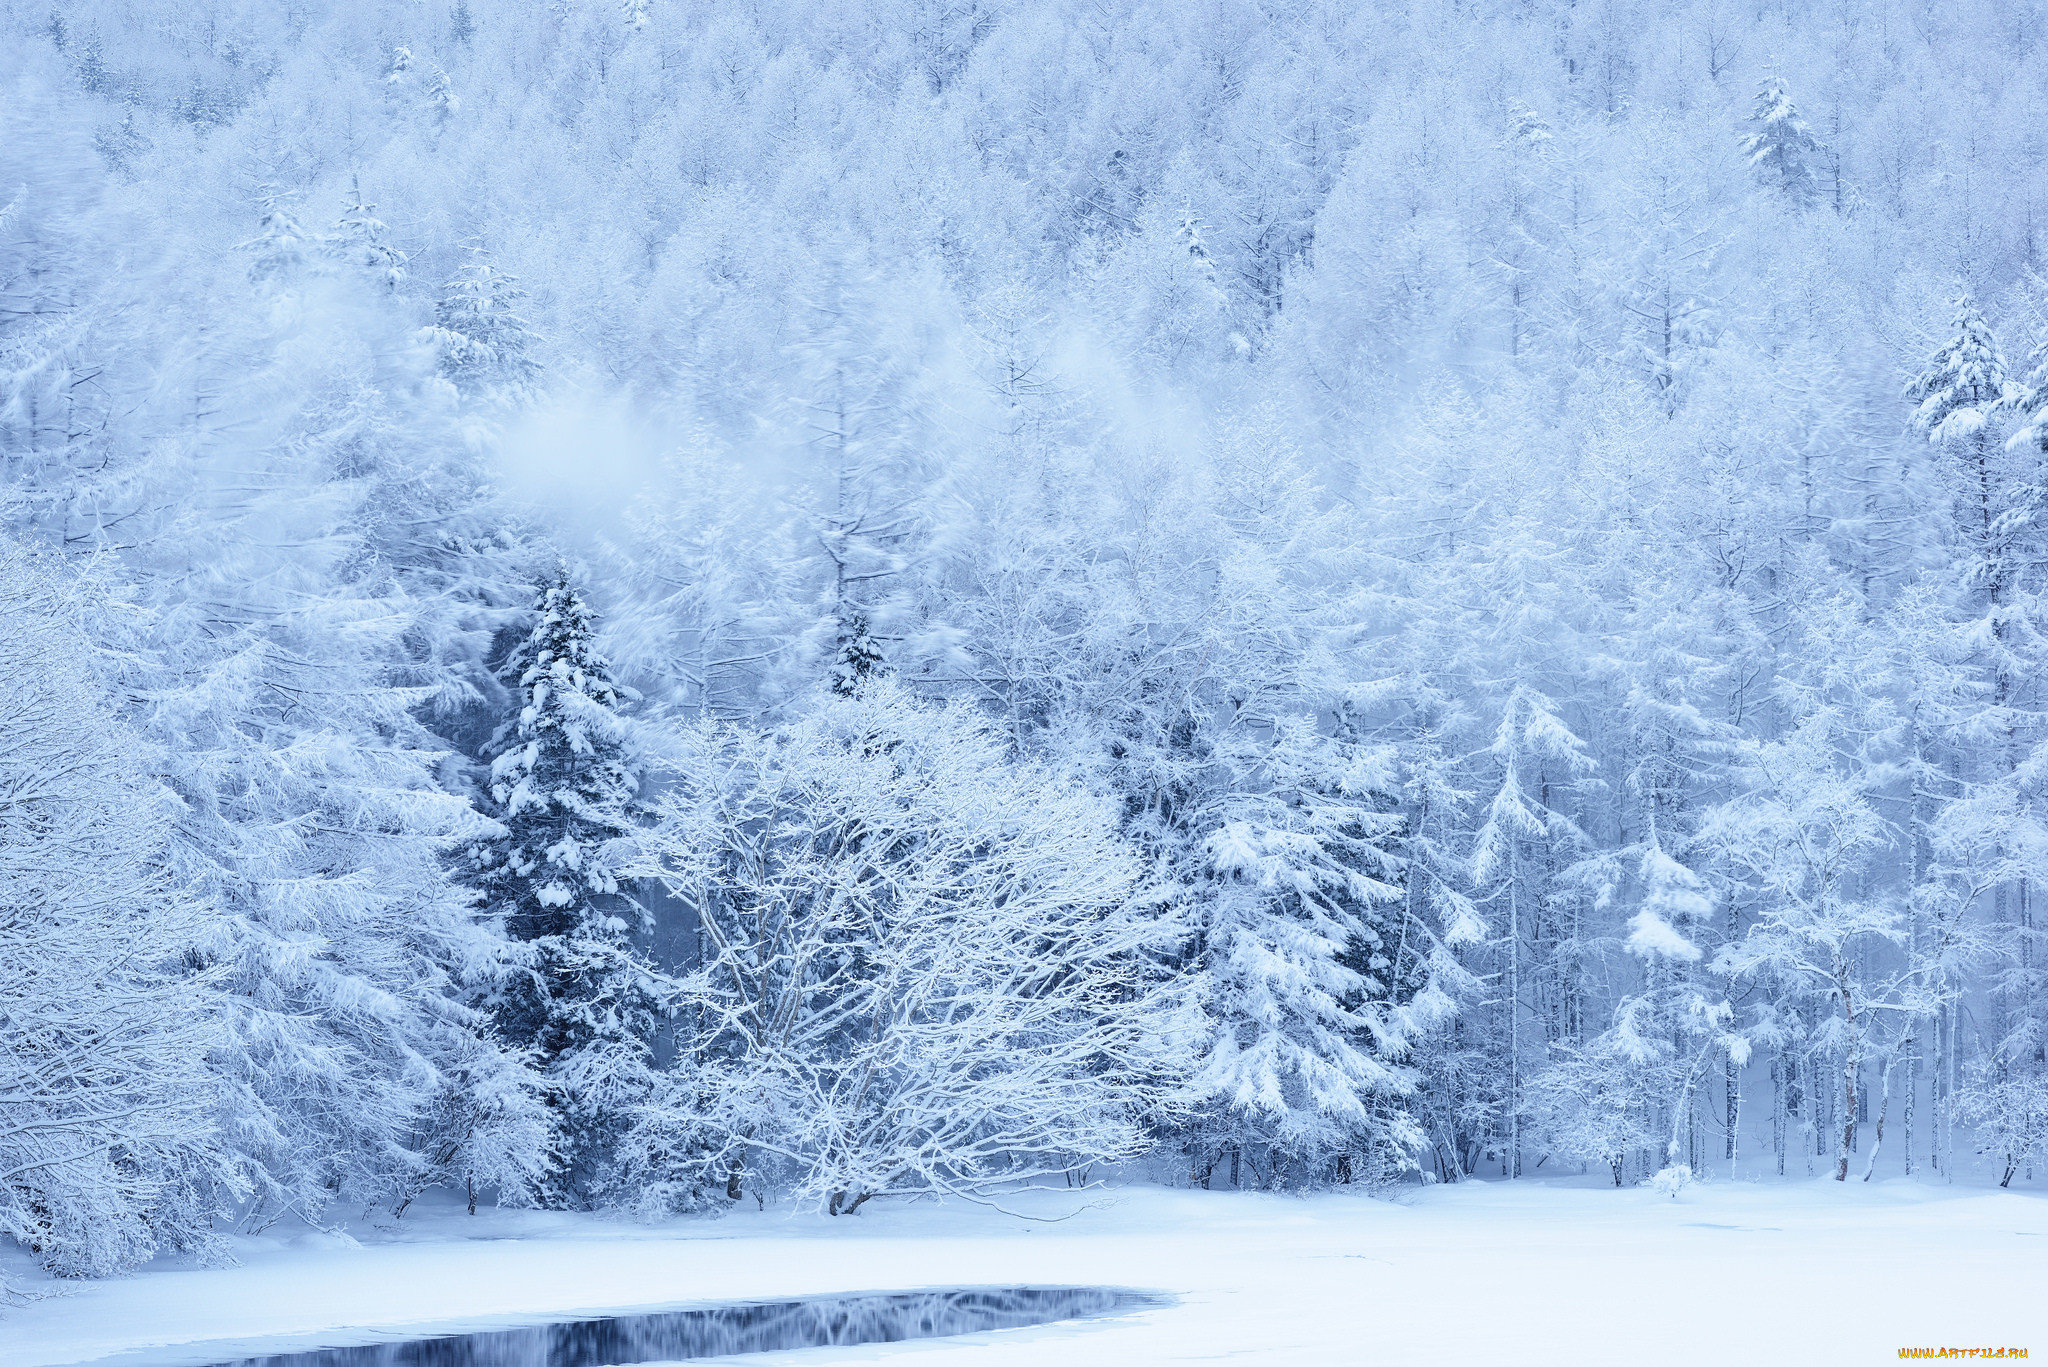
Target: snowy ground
1483, 1272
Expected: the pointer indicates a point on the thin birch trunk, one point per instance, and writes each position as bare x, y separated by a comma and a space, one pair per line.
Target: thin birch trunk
1883, 1106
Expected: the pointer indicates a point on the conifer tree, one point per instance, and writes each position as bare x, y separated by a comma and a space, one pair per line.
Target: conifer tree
1960, 395
1312, 966
2029, 400
1781, 147
486, 348
587, 1003
858, 659
358, 240
280, 253
861, 403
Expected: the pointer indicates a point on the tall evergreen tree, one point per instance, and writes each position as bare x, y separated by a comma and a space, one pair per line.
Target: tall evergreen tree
359, 240
1781, 148
1961, 396
587, 1001
486, 347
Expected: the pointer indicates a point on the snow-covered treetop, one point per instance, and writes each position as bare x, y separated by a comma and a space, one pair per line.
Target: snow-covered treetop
1781, 143
570, 714
2029, 398
1963, 384
485, 344
359, 240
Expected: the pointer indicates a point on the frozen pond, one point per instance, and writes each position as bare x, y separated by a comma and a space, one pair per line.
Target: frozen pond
717, 1331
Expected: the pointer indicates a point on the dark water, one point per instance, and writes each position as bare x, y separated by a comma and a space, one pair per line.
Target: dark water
716, 1331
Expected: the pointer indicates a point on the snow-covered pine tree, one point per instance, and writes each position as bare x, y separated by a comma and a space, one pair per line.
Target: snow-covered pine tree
1957, 399
858, 658
282, 251
587, 1002
1311, 965
1780, 147
442, 100
260, 653
486, 349
359, 241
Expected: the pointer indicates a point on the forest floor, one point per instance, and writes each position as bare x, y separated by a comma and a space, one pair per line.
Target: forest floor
1535, 1272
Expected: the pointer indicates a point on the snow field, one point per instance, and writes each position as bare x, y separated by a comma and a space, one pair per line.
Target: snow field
1532, 1273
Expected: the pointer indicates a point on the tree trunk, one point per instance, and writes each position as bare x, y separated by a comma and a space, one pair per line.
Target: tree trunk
1912, 1047
1734, 1116
1513, 1162
1848, 1139
1851, 1063
1778, 1111
1883, 1106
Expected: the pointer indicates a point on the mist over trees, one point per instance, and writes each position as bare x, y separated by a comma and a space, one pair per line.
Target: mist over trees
641, 606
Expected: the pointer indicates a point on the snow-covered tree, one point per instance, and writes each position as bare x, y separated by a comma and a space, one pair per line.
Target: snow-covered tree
1780, 147
1510, 849
585, 1000
1311, 966
1797, 844
484, 344
2006, 1102
927, 968
359, 240
1957, 399
857, 660
110, 1145
861, 407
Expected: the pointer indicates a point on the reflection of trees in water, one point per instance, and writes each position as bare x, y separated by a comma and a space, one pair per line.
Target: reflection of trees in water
722, 1330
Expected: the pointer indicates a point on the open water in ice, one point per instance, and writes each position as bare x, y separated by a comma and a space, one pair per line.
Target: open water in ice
718, 1331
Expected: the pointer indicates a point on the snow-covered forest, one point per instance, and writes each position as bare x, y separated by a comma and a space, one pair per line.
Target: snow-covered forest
647, 605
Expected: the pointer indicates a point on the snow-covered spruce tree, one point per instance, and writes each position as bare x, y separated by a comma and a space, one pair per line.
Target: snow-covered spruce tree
1958, 399
586, 1002
1313, 968
1780, 147
359, 241
858, 659
485, 346
928, 967
109, 1142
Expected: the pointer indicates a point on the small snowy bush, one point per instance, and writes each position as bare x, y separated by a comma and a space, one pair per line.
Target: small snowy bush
1671, 1180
